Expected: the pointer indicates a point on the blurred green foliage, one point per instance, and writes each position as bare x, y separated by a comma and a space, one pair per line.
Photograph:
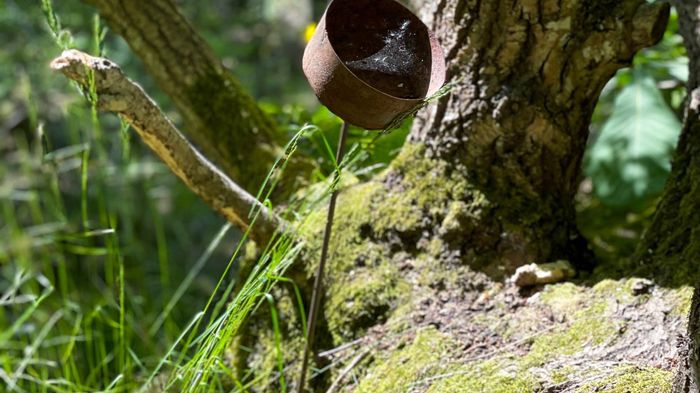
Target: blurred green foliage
633, 136
637, 124
630, 161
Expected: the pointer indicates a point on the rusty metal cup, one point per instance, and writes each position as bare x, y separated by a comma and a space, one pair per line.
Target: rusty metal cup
370, 61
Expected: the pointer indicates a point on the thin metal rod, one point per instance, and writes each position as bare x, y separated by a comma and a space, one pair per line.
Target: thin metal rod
318, 282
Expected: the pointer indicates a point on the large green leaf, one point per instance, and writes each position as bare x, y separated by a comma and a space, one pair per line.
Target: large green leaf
630, 161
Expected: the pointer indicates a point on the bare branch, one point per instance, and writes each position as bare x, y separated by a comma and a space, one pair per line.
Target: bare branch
117, 93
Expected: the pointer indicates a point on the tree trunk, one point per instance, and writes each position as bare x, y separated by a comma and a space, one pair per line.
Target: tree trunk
671, 247
673, 237
516, 124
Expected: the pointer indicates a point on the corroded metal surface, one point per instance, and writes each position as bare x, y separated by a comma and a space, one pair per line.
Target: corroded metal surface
372, 60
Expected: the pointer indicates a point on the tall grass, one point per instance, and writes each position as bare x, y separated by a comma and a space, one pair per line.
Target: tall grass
97, 290
58, 342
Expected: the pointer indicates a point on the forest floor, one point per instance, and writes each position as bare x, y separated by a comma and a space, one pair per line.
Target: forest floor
601, 332
610, 335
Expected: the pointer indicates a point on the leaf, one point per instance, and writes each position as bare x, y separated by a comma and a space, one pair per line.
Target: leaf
678, 68
630, 161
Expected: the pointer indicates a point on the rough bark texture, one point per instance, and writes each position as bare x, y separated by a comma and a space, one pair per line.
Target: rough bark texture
671, 247
688, 374
674, 236
117, 93
221, 118
529, 74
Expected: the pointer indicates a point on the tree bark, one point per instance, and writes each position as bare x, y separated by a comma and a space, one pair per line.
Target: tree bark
673, 237
670, 249
686, 379
221, 118
528, 75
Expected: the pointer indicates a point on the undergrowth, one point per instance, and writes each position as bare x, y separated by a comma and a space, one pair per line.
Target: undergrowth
96, 289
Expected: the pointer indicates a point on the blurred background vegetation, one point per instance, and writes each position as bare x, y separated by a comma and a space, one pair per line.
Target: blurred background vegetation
105, 256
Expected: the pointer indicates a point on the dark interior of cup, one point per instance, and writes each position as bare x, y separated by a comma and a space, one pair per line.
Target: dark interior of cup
383, 44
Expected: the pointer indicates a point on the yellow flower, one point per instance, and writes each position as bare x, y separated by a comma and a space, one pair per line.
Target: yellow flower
309, 31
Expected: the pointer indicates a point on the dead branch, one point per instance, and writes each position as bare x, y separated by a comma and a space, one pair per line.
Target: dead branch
117, 93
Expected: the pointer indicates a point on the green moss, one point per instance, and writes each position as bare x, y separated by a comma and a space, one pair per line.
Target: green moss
630, 379
363, 299
425, 365
620, 290
561, 375
428, 186
623, 292
562, 298
425, 265
363, 281
683, 298
607, 286
591, 327
488, 376
406, 367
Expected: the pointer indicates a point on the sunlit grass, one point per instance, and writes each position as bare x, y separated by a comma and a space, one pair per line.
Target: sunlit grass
113, 276
58, 341
75, 314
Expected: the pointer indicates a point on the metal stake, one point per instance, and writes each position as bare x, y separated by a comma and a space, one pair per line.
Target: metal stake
318, 282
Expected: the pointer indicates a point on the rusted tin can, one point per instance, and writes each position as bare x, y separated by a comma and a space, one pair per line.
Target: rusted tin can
370, 61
